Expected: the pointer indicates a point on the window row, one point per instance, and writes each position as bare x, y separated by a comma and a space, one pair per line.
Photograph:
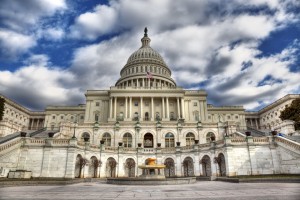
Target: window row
145, 69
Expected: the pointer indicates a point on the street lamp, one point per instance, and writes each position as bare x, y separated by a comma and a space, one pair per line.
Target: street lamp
137, 128
120, 144
117, 127
95, 128
75, 124
100, 162
179, 128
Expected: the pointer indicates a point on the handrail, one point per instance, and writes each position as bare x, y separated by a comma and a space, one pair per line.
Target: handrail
288, 142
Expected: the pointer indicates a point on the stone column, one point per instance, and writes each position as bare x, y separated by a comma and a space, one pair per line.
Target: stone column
152, 109
178, 108
178, 165
126, 108
110, 109
46, 158
196, 164
182, 107
71, 159
115, 108
163, 108
168, 113
256, 124
141, 115
130, 107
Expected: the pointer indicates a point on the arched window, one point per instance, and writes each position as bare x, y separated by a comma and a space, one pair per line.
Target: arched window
107, 139
96, 117
209, 136
169, 140
127, 140
190, 139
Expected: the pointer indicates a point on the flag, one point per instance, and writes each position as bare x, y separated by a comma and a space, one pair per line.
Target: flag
149, 75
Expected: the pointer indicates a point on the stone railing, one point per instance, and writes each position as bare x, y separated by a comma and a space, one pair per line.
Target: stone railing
127, 149
186, 148
61, 142
149, 150
111, 148
260, 140
168, 150
289, 143
12, 143
238, 140
36, 141
204, 145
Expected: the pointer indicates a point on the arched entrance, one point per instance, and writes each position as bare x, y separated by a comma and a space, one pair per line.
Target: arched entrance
170, 167
111, 166
220, 160
79, 165
130, 167
93, 169
206, 165
188, 166
148, 140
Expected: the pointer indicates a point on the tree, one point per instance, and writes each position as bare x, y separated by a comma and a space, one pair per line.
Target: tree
292, 112
2, 101
205, 162
130, 164
96, 164
81, 162
112, 166
169, 163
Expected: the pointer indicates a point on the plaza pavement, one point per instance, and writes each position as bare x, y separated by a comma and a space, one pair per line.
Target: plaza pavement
200, 190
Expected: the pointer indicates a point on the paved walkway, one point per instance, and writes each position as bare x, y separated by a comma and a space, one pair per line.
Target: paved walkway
200, 190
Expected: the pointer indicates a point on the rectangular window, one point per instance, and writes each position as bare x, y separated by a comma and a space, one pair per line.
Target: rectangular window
81, 117
53, 117
121, 103
97, 103
61, 117
136, 103
195, 104
146, 103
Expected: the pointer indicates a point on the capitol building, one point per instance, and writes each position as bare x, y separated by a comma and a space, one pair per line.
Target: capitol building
145, 115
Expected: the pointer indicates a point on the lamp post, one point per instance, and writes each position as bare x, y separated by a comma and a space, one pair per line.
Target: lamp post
199, 128
179, 128
137, 129
116, 128
75, 124
95, 128
100, 162
119, 145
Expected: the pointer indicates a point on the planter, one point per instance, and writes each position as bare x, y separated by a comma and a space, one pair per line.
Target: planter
139, 144
274, 133
248, 133
158, 144
50, 134
212, 138
23, 134
86, 139
120, 144
196, 141
178, 144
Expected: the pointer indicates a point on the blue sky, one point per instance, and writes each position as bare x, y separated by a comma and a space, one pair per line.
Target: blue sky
241, 52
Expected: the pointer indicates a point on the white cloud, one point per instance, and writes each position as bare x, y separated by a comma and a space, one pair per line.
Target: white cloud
12, 43
38, 81
90, 25
18, 15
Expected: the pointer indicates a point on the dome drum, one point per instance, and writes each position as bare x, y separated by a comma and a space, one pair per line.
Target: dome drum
144, 64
